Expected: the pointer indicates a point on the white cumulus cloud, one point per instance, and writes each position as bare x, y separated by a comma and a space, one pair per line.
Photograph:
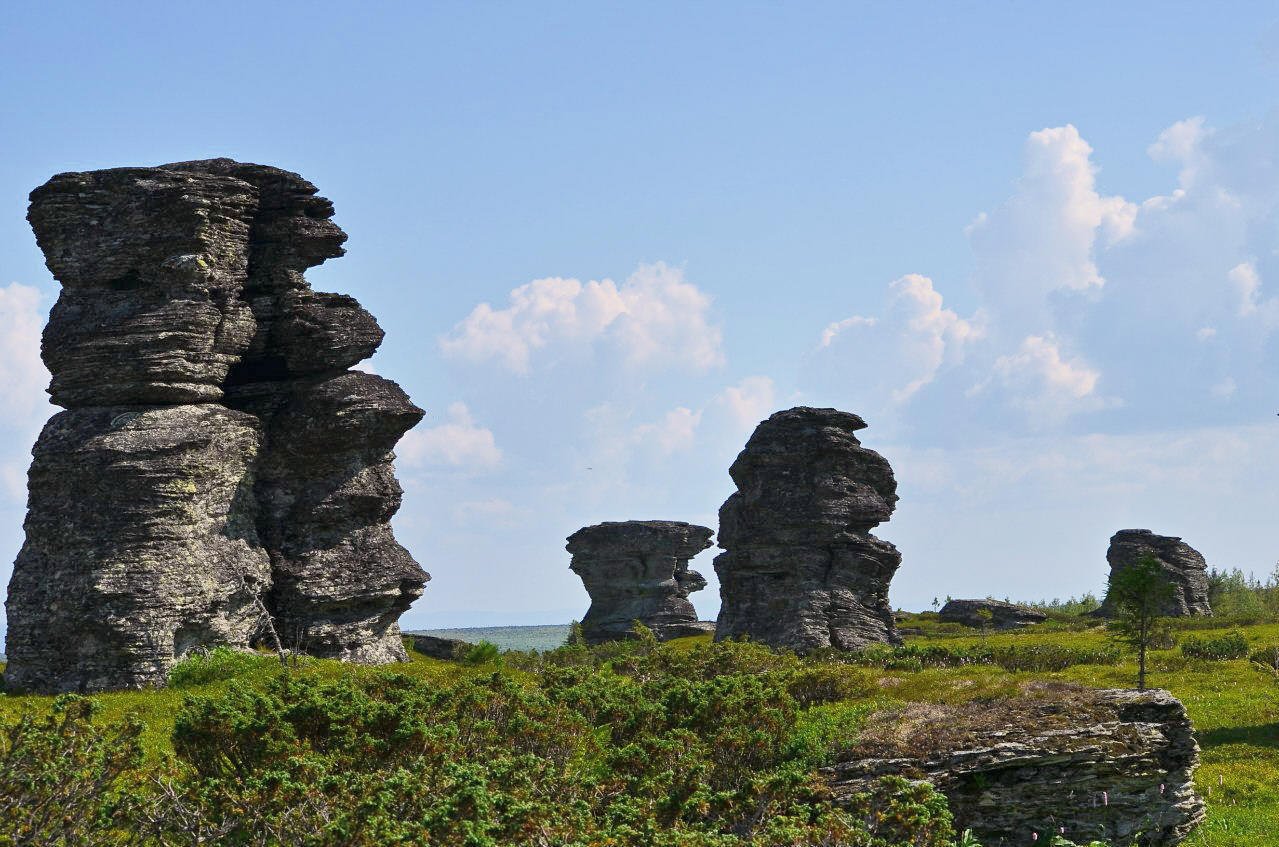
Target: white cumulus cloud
458, 443
655, 317
750, 401
1043, 239
906, 346
674, 432
23, 376
1049, 386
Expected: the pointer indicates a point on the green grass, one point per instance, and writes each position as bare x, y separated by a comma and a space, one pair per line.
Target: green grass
1234, 705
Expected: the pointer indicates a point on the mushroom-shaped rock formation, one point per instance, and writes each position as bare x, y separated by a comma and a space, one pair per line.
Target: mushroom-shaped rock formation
800, 569
989, 613
1182, 564
638, 571
218, 474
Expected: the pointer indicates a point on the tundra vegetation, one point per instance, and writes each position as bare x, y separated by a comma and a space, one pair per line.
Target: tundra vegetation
681, 744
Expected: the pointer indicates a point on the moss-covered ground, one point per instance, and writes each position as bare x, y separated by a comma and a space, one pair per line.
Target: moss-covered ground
1234, 705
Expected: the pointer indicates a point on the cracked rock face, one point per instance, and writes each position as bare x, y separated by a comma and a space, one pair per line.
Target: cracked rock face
638, 571
217, 461
1182, 564
1115, 766
800, 569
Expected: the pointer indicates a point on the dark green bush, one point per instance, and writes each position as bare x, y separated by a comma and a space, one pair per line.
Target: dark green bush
480, 654
62, 776
1231, 646
1052, 657
714, 745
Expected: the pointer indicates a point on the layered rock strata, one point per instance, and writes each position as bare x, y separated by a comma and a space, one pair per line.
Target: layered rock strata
218, 473
1182, 564
638, 571
993, 614
800, 569
1112, 766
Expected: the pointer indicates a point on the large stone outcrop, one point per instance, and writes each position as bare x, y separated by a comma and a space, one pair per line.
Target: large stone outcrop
638, 571
218, 473
800, 569
995, 614
1182, 564
1115, 766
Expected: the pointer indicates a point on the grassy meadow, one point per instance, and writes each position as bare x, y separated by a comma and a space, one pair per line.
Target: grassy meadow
1234, 703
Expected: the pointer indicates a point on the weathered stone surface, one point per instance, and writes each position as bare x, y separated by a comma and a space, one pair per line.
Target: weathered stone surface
1182, 564
219, 467
1001, 615
152, 265
638, 571
141, 545
327, 492
800, 570
1116, 766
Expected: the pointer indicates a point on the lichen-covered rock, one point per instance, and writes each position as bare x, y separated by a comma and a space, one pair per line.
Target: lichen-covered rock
800, 569
220, 473
141, 546
327, 493
1182, 564
1115, 766
638, 571
995, 614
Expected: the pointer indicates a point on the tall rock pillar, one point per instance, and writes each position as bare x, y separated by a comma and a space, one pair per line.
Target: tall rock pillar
215, 453
800, 569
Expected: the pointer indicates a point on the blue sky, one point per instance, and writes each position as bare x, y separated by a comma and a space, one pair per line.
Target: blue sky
1036, 248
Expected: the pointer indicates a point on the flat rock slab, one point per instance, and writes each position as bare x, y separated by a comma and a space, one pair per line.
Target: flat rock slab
1104, 764
999, 615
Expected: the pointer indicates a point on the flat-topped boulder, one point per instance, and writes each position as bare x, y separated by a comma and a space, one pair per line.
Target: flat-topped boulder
800, 569
638, 571
1115, 766
994, 614
1182, 565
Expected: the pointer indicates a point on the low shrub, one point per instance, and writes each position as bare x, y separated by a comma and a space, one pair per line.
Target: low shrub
220, 663
1267, 656
1234, 645
61, 775
480, 654
1015, 657
1053, 657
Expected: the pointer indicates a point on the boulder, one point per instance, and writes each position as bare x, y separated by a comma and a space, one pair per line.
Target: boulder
1115, 766
1182, 564
219, 477
800, 569
1001, 615
437, 647
638, 571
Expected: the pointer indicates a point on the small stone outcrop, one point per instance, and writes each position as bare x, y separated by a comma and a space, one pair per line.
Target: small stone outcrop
438, 647
993, 614
1114, 766
1182, 564
800, 569
638, 571
219, 472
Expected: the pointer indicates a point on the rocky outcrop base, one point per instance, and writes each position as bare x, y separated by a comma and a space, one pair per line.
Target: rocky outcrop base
1114, 766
